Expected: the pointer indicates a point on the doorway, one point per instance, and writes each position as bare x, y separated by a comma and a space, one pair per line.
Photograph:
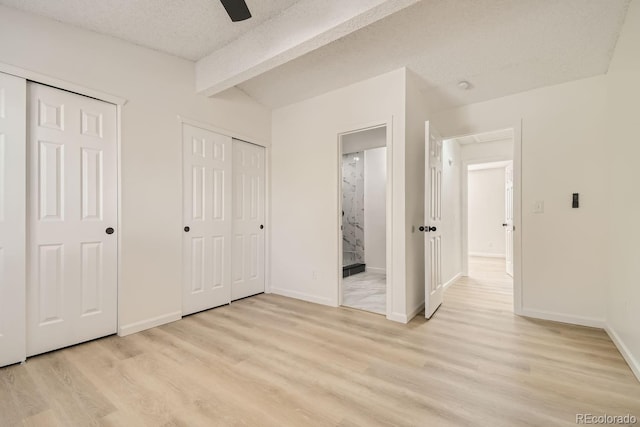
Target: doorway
363, 213
484, 250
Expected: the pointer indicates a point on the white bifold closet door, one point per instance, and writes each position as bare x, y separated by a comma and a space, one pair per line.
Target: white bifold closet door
207, 220
248, 220
13, 95
72, 214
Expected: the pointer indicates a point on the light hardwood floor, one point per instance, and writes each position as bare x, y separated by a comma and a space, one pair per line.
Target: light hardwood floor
275, 361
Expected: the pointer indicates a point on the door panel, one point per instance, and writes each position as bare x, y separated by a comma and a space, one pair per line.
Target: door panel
72, 279
207, 214
433, 221
509, 218
248, 217
13, 96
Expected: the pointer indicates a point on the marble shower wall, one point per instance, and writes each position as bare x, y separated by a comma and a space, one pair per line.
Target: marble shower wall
353, 208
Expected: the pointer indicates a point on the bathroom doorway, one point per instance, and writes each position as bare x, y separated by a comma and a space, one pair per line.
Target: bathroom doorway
363, 200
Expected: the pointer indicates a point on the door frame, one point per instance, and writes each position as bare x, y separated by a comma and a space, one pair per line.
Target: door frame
119, 102
182, 120
517, 208
388, 124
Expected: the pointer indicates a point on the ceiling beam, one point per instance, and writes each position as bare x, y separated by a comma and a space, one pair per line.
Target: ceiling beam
305, 26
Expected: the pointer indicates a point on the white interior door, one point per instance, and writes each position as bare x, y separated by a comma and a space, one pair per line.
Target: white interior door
508, 223
248, 220
13, 107
433, 221
207, 220
72, 211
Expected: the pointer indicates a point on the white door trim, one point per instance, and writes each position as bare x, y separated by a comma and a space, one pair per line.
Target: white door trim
517, 210
61, 84
388, 124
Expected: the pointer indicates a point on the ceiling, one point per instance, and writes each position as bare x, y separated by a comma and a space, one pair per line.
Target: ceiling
500, 46
189, 29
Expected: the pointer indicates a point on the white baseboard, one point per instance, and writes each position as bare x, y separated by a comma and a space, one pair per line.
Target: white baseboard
452, 280
398, 317
624, 350
132, 328
487, 255
376, 270
563, 318
303, 296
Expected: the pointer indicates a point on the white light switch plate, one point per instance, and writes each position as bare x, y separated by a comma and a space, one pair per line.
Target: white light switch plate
538, 207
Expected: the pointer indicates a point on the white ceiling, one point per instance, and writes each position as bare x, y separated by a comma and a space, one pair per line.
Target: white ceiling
189, 29
500, 46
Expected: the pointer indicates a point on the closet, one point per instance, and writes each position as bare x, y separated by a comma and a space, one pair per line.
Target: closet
58, 219
223, 212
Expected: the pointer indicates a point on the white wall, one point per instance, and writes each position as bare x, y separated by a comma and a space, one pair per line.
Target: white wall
364, 140
417, 114
158, 88
563, 138
486, 206
622, 147
304, 189
487, 151
451, 210
375, 229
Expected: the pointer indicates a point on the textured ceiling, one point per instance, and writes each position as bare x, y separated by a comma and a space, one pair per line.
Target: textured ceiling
500, 46
189, 29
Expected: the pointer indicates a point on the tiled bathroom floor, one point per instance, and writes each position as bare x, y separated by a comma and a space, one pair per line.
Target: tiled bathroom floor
365, 291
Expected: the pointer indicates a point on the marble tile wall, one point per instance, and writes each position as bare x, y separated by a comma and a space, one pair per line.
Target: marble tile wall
353, 208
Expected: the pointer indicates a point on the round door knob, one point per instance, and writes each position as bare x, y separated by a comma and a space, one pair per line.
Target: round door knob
432, 229
421, 228
261, 226
187, 229
109, 230
504, 224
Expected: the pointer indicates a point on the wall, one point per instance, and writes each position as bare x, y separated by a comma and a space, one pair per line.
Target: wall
562, 152
486, 212
158, 88
353, 206
375, 228
487, 151
451, 211
417, 114
623, 150
364, 140
304, 165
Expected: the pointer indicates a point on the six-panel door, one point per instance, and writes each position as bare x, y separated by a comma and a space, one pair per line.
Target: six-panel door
72, 214
433, 221
248, 220
207, 220
13, 95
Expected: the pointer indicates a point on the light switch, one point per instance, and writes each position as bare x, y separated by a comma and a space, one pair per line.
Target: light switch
538, 207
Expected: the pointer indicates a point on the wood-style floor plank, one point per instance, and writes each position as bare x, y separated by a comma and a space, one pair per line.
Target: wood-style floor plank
276, 361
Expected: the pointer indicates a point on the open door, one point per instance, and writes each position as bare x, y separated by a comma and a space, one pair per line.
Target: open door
433, 221
508, 217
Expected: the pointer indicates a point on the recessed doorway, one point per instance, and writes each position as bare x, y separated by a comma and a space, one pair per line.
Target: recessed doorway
363, 213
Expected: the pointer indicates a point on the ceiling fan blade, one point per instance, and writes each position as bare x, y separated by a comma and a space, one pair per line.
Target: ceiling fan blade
237, 9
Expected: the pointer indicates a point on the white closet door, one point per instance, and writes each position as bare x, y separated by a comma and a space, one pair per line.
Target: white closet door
13, 95
248, 220
72, 283
207, 220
